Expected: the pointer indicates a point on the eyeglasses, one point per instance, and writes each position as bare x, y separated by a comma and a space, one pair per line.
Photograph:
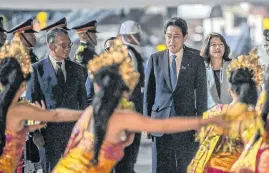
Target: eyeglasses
66, 45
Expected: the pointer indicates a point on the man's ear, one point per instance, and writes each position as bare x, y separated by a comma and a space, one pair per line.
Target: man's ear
51, 46
185, 37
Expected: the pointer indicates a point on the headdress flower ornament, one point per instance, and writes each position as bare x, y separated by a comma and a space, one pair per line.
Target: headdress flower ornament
17, 50
117, 54
251, 62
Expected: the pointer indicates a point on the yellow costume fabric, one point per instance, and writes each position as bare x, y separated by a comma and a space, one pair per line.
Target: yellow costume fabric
254, 135
217, 150
79, 151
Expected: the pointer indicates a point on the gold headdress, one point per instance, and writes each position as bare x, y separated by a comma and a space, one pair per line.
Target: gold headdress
17, 50
117, 54
251, 62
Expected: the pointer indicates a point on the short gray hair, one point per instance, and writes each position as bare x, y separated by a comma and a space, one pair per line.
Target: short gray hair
52, 34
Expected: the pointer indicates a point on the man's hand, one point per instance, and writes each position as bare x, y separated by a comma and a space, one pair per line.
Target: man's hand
38, 139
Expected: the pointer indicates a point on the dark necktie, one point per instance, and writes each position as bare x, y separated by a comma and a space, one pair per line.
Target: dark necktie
173, 72
173, 76
60, 75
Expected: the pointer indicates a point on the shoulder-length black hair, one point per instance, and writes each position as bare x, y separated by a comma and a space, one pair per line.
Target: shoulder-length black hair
206, 45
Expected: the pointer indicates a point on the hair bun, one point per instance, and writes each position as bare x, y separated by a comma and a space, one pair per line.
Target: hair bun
242, 75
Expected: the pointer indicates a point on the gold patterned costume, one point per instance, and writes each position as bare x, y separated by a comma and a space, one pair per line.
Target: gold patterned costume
220, 149
12, 150
80, 150
217, 150
251, 128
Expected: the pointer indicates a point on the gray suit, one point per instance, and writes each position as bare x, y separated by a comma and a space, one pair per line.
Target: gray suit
212, 94
189, 99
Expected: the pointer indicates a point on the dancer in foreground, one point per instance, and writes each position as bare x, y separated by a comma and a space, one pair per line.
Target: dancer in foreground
218, 149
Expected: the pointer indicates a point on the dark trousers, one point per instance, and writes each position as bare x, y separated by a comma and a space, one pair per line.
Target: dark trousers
171, 154
126, 165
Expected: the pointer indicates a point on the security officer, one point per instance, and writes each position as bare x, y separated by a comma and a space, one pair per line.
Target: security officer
88, 41
130, 33
86, 51
26, 34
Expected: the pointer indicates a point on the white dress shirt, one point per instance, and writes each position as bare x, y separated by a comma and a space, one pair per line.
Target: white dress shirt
56, 66
179, 56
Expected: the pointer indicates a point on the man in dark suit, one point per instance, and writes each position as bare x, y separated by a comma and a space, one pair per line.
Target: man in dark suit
61, 84
175, 85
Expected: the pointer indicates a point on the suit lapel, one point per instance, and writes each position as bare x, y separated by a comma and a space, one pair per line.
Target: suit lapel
49, 72
184, 67
69, 72
165, 64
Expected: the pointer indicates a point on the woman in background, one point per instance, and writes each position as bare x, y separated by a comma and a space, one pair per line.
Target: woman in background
215, 52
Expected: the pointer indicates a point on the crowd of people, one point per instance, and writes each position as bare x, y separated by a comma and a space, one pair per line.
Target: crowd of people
204, 112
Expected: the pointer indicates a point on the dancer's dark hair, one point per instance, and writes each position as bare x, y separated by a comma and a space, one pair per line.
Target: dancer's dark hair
105, 102
244, 86
11, 78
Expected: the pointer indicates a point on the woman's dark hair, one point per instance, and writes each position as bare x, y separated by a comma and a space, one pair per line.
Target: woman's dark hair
179, 22
206, 45
105, 102
11, 78
244, 86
